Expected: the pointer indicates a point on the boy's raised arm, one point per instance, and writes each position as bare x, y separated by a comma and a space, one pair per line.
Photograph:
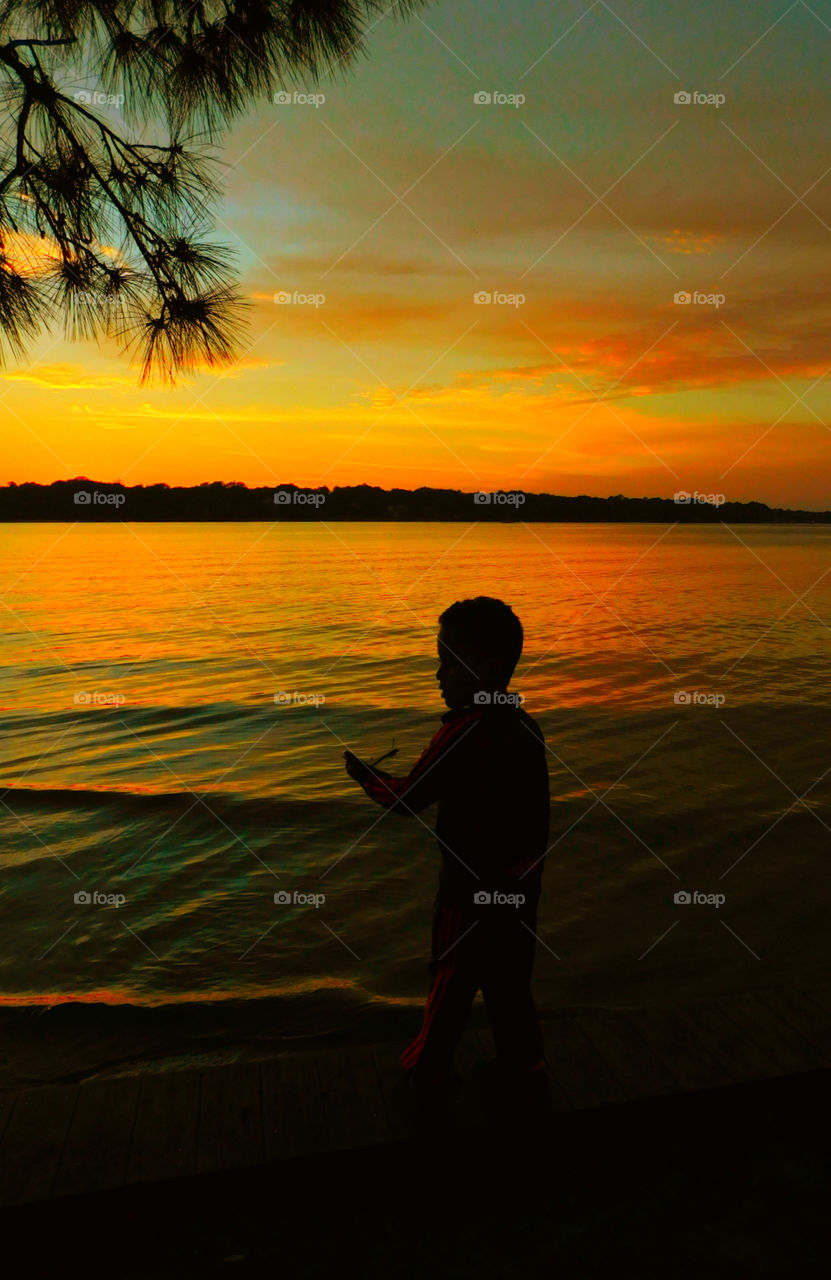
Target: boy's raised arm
425, 781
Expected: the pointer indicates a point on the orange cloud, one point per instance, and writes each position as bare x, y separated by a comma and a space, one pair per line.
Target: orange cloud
72, 377
30, 254
26, 253
678, 241
68, 377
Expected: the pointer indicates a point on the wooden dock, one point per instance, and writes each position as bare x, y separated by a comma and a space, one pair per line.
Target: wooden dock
100, 1135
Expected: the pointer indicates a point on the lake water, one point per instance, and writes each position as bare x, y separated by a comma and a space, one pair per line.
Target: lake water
144, 755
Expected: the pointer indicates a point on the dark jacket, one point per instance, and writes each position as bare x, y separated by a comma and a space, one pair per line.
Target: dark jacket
486, 766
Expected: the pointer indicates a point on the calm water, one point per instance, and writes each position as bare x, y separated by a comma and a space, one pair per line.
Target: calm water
143, 754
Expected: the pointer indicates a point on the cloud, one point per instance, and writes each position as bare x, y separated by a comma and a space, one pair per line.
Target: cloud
678, 241
73, 377
69, 377
239, 367
315, 268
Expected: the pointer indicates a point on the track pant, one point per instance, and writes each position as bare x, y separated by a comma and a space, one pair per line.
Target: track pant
491, 947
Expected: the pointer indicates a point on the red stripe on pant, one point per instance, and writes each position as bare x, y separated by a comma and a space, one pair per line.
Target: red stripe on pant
446, 935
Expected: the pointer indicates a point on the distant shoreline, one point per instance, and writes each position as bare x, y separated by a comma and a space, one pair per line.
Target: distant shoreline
92, 501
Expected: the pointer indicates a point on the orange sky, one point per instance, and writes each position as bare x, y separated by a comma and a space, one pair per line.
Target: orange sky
595, 202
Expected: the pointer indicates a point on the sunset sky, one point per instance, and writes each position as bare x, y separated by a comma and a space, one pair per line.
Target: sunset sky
597, 199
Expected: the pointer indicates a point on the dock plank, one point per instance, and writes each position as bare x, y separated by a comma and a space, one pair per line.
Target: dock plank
581, 1073
293, 1119
63, 1140
675, 1039
167, 1123
625, 1051
98, 1143
820, 996
230, 1134
806, 1017
741, 1055
791, 1051
34, 1141
353, 1104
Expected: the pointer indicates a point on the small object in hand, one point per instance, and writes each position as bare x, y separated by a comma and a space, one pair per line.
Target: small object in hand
385, 756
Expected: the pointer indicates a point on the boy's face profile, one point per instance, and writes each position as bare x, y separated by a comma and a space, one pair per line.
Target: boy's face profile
461, 673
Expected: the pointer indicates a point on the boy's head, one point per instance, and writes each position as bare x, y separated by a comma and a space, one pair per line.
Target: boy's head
479, 645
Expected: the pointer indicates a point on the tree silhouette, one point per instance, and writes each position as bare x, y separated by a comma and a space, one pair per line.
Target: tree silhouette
104, 218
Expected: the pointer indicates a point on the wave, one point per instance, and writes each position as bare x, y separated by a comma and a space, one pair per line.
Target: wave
137, 802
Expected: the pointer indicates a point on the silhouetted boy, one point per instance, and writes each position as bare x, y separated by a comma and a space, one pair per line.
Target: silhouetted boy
486, 766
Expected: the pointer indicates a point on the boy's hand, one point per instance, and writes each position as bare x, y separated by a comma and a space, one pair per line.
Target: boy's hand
355, 767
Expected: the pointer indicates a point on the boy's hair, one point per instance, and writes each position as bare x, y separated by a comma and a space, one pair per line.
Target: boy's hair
488, 628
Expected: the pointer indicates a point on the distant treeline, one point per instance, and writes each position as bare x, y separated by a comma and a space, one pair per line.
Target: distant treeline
84, 499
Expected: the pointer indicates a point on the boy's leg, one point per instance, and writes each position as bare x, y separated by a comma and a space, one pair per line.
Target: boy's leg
508, 963
455, 983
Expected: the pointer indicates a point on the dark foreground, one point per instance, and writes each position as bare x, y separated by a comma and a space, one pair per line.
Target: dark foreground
728, 1182
685, 1142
